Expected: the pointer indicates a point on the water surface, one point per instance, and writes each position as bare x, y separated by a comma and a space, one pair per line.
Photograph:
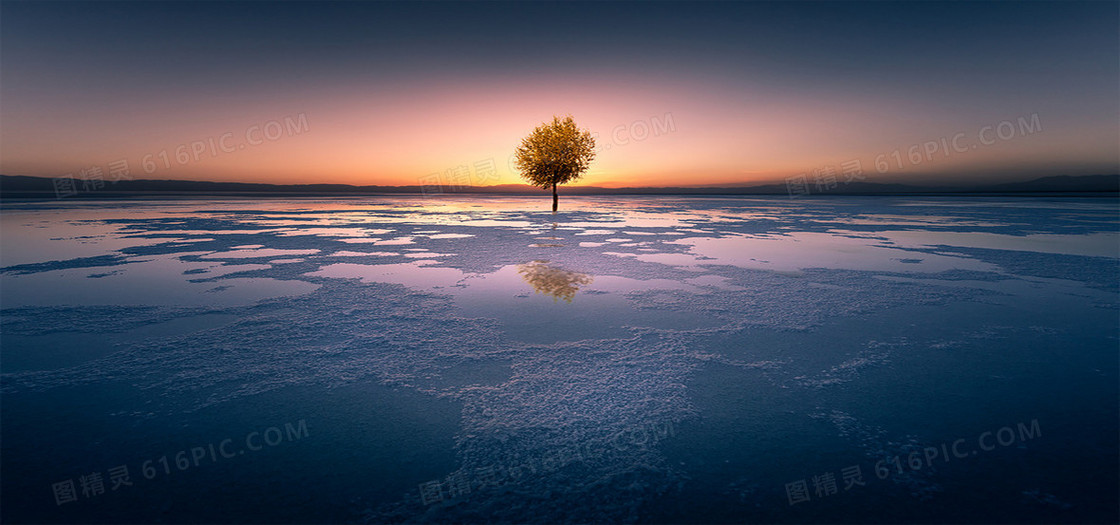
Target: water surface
479, 359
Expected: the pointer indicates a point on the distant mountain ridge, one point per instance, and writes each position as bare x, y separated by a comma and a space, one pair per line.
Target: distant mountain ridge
21, 186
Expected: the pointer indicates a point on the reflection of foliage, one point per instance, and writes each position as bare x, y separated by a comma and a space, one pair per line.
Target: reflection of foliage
550, 280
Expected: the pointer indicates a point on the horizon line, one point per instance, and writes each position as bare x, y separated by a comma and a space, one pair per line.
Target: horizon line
458, 188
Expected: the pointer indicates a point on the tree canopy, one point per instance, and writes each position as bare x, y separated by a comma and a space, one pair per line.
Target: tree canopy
555, 153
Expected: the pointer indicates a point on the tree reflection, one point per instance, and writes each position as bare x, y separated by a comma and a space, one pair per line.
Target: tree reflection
552, 280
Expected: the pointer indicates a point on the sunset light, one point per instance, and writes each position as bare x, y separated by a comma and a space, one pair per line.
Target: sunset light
476, 262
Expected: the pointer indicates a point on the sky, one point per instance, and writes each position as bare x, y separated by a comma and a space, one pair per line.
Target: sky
405, 93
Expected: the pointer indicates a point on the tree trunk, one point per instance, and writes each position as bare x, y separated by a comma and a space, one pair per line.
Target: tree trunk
555, 198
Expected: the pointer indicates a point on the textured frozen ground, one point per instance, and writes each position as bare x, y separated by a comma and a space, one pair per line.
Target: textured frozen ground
626, 360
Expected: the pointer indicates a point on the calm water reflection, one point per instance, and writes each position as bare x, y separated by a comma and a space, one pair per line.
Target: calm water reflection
627, 359
552, 280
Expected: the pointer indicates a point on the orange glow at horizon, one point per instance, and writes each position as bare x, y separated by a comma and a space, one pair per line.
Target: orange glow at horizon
650, 132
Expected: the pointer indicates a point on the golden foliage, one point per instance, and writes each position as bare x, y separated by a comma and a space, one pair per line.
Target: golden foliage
555, 153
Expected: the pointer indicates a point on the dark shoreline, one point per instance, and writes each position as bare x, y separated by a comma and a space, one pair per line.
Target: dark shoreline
105, 195
13, 187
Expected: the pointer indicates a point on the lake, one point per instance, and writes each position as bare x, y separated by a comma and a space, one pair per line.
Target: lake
629, 359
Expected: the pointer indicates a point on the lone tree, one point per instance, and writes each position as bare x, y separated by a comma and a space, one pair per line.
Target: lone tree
555, 153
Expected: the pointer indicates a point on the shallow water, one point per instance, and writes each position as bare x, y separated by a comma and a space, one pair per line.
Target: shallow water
479, 359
